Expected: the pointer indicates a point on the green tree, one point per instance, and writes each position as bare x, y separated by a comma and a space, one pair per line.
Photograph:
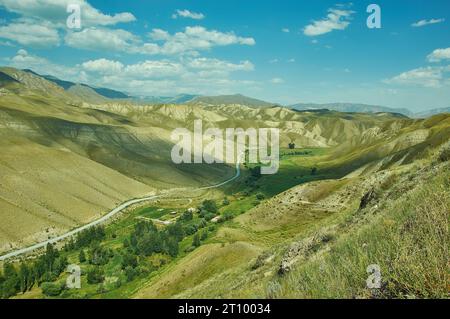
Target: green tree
51, 289
172, 247
24, 277
95, 275
196, 240
209, 206
82, 256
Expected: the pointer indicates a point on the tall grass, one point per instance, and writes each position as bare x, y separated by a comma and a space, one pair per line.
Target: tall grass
408, 238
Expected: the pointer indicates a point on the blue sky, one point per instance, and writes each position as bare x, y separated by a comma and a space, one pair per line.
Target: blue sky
280, 51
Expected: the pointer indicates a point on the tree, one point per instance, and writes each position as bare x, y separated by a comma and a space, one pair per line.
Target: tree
204, 235
175, 231
24, 277
11, 285
98, 255
172, 247
82, 256
95, 275
129, 260
209, 205
196, 240
51, 289
256, 172
186, 216
130, 273
313, 171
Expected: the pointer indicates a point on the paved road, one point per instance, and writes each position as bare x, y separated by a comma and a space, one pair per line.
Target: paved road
19, 252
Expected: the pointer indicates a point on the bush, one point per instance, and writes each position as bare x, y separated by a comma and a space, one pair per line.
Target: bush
444, 155
95, 276
209, 206
196, 240
82, 256
260, 196
189, 249
51, 289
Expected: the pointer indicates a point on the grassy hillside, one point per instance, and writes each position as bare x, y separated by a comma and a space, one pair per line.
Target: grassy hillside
358, 189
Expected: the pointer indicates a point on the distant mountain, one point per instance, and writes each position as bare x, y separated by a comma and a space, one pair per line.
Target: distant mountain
69, 86
5, 79
178, 99
231, 99
350, 107
87, 94
431, 112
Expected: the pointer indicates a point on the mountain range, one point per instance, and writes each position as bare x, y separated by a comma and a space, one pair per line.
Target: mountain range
93, 94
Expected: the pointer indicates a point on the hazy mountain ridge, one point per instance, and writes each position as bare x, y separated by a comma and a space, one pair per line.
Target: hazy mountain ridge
237, 99
350, 107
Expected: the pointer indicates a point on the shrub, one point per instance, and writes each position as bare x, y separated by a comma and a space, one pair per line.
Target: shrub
95, 276
196, 240
444, 155
51, 289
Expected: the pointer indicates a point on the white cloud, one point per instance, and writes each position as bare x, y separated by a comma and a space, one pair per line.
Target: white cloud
102, 66
291, 60
430, 77
285, 30
102, 39
166, 76
336, 19
273, 61
277, 81
439, 55
25, 60
55, 11
153, 69
196, 38
189, 41
30, 34
216, 64
425, 22
188, 14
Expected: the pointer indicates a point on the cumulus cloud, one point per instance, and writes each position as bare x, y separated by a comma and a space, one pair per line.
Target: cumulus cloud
55, 12
191, 40
197, 75
336, 19
102, 39
30, 34
430, 77
195, 38
24, 60
103, 66
188, 14
425, 22
285, 30
439, 55
216, 64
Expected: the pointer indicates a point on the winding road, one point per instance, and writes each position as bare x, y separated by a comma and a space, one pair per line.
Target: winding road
118, 209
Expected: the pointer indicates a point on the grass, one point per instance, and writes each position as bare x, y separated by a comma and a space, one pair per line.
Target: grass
408, 239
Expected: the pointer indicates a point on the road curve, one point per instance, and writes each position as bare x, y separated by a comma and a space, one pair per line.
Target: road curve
118, 209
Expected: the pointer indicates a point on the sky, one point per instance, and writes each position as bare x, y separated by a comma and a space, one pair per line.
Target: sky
280, 51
